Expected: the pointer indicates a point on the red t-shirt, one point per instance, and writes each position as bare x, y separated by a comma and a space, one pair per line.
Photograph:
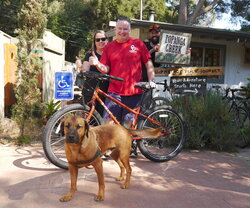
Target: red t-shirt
125, 61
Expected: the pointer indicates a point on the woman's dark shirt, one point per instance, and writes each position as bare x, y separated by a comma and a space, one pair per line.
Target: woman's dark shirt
90, 84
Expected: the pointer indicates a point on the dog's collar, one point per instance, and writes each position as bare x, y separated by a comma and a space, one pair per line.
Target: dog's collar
97, 154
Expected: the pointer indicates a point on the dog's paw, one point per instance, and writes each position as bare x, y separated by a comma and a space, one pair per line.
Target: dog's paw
119, 179
65, 198
124, 186
99, 198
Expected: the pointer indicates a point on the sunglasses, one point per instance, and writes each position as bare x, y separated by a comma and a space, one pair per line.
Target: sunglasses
154, 27
100, 39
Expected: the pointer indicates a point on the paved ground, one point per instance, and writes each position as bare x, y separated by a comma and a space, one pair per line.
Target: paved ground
191, 180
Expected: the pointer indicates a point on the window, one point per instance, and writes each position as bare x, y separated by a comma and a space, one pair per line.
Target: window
207, 55
196, 57
212, 57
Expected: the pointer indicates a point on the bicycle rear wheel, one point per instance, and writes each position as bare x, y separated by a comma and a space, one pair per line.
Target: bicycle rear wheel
165, 147
53, 134
242, 122
158, 101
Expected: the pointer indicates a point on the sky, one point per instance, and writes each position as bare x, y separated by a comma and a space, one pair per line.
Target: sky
224, 23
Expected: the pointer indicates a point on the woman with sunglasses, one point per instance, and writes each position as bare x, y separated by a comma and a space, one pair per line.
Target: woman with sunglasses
100, 40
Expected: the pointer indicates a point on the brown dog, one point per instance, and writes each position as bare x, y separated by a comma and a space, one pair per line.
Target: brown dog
84, 146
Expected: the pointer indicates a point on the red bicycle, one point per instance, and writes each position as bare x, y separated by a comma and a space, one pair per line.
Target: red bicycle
164, 148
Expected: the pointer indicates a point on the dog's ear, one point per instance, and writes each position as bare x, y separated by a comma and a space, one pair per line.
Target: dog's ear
86, 129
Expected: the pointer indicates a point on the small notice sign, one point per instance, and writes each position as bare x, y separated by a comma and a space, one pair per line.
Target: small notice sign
64, 86
194, 85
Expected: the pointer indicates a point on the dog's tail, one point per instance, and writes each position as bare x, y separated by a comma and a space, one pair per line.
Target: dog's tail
146, 133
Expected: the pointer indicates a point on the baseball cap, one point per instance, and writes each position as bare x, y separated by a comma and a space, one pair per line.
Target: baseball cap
154, 27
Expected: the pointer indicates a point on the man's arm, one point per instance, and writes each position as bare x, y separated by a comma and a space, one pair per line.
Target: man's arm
150, 72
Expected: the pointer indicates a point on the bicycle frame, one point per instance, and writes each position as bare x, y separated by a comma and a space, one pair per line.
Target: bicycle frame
236, 101
135, 111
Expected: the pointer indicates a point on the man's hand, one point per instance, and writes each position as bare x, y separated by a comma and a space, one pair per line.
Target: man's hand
156, 48
152, 84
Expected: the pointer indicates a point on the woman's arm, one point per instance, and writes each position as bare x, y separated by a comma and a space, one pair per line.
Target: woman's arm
78, 63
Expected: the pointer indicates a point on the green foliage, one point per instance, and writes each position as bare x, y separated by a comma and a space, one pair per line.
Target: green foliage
241, 9
246, 94
50, 108
8, 15
75, 21
209, 122
32, 23
248, 84
24, 140
132, 9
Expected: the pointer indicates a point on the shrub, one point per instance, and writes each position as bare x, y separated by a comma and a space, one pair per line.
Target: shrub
50, 108
209, 122
23, 140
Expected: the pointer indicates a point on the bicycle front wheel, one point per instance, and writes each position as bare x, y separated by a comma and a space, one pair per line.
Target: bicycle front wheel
165, 147
242, 122
53, 134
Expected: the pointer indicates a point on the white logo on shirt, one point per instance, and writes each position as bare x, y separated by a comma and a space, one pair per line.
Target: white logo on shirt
133, 49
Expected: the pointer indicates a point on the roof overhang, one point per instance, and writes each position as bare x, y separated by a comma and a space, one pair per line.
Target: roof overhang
202, 32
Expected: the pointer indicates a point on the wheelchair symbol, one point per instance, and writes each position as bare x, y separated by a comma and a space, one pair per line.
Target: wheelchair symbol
62, 83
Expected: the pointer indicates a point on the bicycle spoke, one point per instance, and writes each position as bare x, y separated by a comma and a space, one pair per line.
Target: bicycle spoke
170, 143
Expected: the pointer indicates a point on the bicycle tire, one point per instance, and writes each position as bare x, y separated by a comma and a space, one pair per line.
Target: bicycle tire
241, 119
53, 135
158, 101
166, 147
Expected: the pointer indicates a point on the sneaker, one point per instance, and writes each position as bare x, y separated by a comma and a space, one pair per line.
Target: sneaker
133, 154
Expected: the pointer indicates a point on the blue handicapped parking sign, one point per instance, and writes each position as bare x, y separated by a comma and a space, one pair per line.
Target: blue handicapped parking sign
64, 86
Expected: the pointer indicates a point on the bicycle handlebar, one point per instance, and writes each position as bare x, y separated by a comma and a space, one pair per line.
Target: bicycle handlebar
100, 76
233, 91
145, 85
165, 84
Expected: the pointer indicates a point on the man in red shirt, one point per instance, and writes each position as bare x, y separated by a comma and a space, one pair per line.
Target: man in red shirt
124, 58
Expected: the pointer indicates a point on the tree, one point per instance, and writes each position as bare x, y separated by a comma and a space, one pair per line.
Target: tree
73, 21
191, 12
8, 15
32, 23
111, 9
241, 10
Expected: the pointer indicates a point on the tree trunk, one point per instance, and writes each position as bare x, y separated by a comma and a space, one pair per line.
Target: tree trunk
188, 18
183, 12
